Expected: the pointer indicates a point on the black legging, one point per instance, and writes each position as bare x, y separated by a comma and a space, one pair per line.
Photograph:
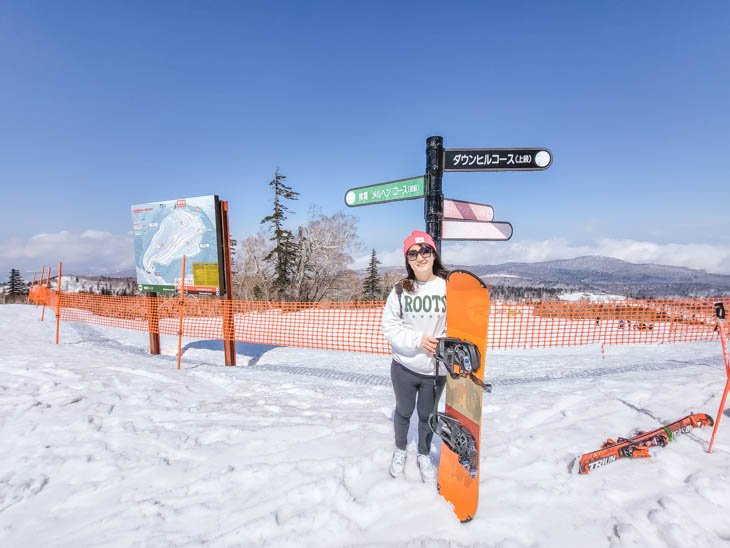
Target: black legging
407, 385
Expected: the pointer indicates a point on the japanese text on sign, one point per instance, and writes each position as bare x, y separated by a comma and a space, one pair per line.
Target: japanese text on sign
491, 159
403, 189
387, 193
519, 159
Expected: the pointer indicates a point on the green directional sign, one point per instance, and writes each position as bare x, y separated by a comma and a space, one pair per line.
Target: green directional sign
392, 191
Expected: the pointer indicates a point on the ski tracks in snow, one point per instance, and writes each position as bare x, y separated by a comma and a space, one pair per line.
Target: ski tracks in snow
499, 365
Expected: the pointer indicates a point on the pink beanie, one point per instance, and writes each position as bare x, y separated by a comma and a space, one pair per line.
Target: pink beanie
417, 237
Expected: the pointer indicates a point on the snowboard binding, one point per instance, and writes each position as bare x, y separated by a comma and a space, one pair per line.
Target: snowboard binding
458, 439
461, 359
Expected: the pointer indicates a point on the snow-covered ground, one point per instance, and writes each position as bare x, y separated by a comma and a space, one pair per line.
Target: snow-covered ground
102, 444
593, 297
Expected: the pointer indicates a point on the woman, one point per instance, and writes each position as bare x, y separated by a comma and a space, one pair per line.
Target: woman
413, 319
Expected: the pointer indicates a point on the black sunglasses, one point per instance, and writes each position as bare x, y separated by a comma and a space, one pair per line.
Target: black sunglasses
425, 251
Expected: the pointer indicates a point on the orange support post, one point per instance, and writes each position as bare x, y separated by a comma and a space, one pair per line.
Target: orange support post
229, 328
720, 310
182, 305
58, 303
153, 321
43, 313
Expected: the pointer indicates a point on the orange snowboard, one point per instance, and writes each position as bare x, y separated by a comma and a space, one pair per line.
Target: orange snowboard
467, 318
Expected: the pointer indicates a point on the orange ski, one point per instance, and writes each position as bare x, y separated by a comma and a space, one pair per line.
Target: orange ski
638, 445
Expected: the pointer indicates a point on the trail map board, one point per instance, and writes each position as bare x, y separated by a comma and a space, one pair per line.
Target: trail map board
165, 231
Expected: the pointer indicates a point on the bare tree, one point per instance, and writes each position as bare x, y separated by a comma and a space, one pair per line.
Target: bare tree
390, 279
325, 246
254, 275
348, 287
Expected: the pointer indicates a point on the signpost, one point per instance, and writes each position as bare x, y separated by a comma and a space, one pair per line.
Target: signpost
475, 230
392, 191
454, 219
433, 208
497, 159
467, 211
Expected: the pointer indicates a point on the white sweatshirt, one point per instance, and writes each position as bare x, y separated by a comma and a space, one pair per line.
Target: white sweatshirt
424, 313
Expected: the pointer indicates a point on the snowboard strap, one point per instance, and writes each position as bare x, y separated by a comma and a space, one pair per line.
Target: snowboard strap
461, 359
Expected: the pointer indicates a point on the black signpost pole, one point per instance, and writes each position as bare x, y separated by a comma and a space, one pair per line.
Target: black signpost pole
434, 202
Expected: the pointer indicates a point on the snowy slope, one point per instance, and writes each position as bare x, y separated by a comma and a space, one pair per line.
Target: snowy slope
102, 444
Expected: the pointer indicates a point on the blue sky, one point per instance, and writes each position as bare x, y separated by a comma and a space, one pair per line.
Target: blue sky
108, 104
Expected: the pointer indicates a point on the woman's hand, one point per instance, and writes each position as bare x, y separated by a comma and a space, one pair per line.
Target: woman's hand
429, 344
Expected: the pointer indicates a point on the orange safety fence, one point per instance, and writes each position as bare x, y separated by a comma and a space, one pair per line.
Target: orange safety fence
40, 294
545, 324
355, 326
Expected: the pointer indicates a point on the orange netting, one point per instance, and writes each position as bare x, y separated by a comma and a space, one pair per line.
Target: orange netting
42, 295
561, 323
355, 326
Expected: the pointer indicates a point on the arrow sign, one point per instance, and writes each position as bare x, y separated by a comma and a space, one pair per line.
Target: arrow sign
392, 191
497, 159
467, 211
475, 230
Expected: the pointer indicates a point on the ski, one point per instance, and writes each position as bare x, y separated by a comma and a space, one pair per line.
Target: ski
638, 445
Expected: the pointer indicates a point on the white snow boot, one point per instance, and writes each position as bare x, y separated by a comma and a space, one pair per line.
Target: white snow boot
398, 464
428, 472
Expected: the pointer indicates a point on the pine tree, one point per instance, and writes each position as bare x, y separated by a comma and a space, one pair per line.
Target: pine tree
16, 285
285, 250
372, 286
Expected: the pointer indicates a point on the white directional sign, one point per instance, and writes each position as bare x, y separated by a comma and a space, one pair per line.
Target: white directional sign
467, 211
452, 229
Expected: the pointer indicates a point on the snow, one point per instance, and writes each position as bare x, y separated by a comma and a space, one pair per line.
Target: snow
593, 297
497, 275
105, 445
71, 283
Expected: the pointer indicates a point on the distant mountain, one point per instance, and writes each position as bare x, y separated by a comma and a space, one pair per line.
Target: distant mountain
590, 274
606, 275
128, 273
596, 274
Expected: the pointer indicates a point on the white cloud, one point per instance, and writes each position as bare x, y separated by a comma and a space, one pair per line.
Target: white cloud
88, 252
709, 257
100, 252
